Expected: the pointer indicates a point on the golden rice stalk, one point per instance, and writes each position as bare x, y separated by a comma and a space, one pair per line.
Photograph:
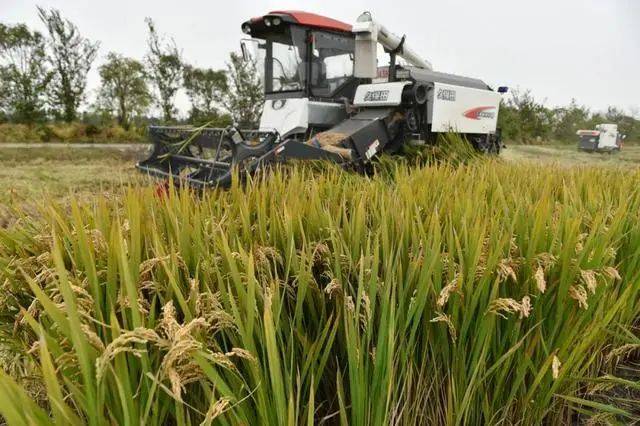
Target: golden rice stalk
215, 409
333, 288
525, 305
92, 337
441, 317
264, 255
320, 253
485, 249
511, 306
97, 239
612, 273
540, 281
601, 387
445, 293
178, 367
578, 293
612, 252
623, 351
447, 262
589, 279
555, 367
168, 323
506, 269
126, 343
546, 260
580, 243
241, 353
350, 306
194, 289
222, 360
177, 364
208, 306
417, 257
480, 271
513, 247
365, 314
146, 268
44, 258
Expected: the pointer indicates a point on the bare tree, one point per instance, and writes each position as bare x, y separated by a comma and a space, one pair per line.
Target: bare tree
164, 62
71, 56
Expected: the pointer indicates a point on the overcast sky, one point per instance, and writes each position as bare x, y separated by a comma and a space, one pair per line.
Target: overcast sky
560, 49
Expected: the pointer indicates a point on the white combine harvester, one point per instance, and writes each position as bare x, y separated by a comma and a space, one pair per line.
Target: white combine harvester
327, 97
605, 138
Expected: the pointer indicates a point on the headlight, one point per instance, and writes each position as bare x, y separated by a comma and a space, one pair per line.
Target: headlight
277, 104
276, 21
267, 22
246, 28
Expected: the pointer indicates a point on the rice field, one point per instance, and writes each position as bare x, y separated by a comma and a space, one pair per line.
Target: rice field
477, 291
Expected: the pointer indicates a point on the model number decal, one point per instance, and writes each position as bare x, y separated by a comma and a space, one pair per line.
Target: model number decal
376, 96
447, 95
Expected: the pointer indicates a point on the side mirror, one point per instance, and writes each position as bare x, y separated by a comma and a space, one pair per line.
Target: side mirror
503, 89
245, 54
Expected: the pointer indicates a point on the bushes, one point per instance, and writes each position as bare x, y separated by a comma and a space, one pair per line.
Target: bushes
70, 133
524, 119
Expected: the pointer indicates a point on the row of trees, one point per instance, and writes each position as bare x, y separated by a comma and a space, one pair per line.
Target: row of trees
44, 77
523, 118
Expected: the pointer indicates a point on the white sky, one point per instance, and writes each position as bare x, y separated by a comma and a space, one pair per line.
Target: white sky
560, 49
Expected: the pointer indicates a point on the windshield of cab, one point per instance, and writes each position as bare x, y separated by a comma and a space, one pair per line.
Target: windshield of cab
285, 61
331, 62
284, 67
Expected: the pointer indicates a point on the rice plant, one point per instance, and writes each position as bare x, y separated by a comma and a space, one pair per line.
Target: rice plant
479, 293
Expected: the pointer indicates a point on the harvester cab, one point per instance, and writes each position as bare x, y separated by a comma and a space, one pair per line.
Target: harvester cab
327, 97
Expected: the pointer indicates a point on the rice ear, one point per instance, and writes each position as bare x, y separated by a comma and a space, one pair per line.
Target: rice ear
540, 281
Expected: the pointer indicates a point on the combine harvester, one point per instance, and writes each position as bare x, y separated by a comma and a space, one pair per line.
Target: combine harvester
327, 98
605, 138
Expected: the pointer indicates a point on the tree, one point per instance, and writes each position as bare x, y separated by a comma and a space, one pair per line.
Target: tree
570, 119
205, 88
71, 56
24, 75
124, 88
164, 62
627, 124
244, 97
523, 118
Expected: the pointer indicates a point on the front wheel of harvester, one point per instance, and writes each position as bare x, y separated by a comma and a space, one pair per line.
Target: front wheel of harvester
486, 144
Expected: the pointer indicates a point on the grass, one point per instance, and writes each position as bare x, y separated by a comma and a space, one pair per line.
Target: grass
478, 293
28, 176
68, 133
568, 155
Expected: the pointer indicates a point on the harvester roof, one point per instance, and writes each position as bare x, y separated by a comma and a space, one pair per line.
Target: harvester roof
303, 18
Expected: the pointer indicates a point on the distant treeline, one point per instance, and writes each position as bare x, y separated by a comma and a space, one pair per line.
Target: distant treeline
43, 79
523, 119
